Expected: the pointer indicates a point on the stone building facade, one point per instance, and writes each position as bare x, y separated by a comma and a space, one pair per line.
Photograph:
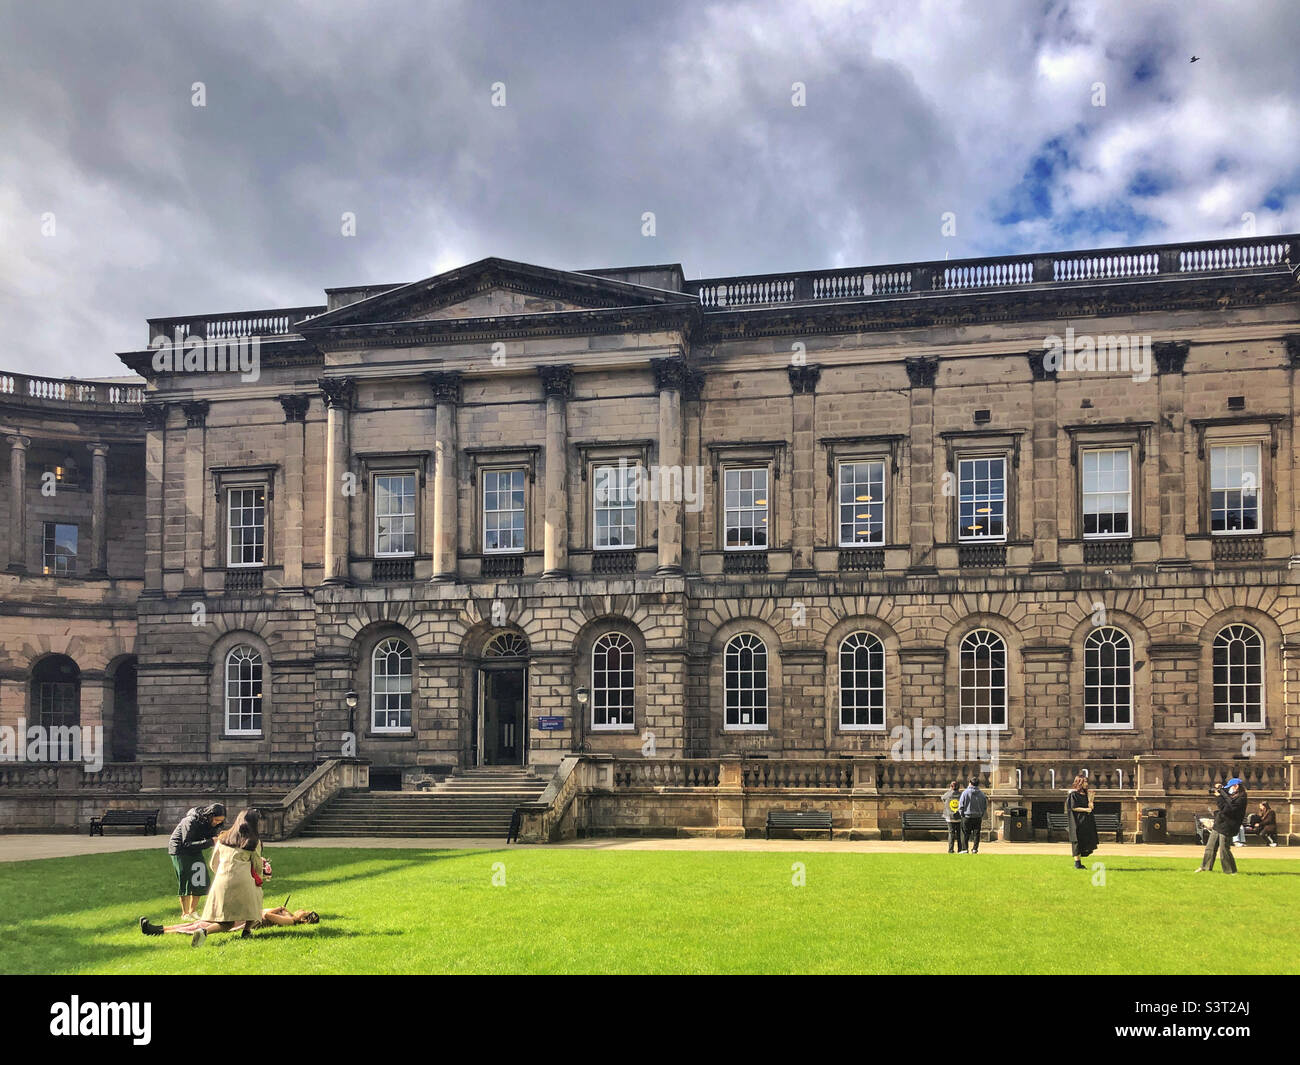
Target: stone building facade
863, 500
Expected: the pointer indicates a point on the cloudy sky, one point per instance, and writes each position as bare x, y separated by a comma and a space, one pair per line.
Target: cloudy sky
121, 200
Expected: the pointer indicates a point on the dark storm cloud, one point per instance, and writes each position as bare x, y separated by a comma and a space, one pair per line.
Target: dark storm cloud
685, 110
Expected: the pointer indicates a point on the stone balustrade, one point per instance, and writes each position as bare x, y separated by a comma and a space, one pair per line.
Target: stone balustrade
972, 275
54, 391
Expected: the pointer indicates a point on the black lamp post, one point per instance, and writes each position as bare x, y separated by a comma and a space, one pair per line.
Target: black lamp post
351, 700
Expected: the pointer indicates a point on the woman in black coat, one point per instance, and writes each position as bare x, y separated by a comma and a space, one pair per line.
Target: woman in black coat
1079, 820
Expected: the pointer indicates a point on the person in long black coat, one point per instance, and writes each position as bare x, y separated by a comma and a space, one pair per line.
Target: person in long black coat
1079, 820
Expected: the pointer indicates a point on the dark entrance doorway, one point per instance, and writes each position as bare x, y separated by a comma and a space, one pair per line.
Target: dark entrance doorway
502, 717
125, 712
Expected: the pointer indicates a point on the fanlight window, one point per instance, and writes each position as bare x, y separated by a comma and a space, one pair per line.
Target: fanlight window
745, 669
862, 681
506, 645
243, 692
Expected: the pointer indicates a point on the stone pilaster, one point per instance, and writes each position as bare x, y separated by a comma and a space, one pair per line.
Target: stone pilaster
1044, 502
670, 380
1171, 439
295, 417
338, 393
99, 510
196, 420
1291, 345
803, 382
155, 420
557, 384
446, 487
921, 374
18, 546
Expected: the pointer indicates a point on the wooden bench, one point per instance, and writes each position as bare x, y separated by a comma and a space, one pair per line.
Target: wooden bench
793, 820
924, 821
1057, 823
146, 820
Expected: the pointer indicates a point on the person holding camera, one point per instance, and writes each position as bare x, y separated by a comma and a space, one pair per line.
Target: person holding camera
238, 870
191, 837
1231, 799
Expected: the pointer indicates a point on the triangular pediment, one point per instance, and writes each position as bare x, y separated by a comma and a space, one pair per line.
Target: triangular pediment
493, 288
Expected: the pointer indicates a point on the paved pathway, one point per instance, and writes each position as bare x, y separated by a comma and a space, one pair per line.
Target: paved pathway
22, 846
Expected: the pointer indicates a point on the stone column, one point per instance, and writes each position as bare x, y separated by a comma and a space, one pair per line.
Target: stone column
99, 510
295, 417
670, 378
803, 380
155, 420
921, 374
338, 394
1043, 504
18, 546
196, 419
446, 485
1170, 358
557, 383
698, 484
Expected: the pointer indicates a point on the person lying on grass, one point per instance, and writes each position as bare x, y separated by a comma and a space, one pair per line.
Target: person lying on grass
198, 930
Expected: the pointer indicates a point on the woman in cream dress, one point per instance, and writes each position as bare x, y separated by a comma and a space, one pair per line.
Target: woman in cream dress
237, 872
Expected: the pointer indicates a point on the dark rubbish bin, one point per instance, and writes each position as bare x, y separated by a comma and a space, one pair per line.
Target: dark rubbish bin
1016, 827
1155, 829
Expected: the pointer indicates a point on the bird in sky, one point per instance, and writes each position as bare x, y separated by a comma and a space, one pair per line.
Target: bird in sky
1195, 58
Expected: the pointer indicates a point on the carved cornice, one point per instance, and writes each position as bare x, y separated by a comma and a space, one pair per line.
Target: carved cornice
922, 370
338, 392
670, 374
196, 413
557, 381
1291, 345
295, 406
1171, 355
155, 415
693, 388
803, 379
445, 386
1038, 365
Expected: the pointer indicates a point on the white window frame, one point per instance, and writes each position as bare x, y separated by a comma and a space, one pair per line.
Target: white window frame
857, 502
977, 637
765, 493
1243, 725
1092, 645
1258, 449
600, 681
390, 645
1084, 493
754, 644
230, 526
497, 472
254, 694
412, 514
50, 561
872, 644
963, 534
623, 505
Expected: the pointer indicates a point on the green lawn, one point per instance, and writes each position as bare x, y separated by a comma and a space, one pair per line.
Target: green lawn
406, 911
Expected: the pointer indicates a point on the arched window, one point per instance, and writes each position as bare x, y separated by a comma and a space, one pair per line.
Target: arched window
243, 691
983, 681
1238, 676
862, 682
1107, 679
56, 704
390, 687
612, 662
745, 670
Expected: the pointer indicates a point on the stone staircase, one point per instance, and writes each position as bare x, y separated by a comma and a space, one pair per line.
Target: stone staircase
470, 802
